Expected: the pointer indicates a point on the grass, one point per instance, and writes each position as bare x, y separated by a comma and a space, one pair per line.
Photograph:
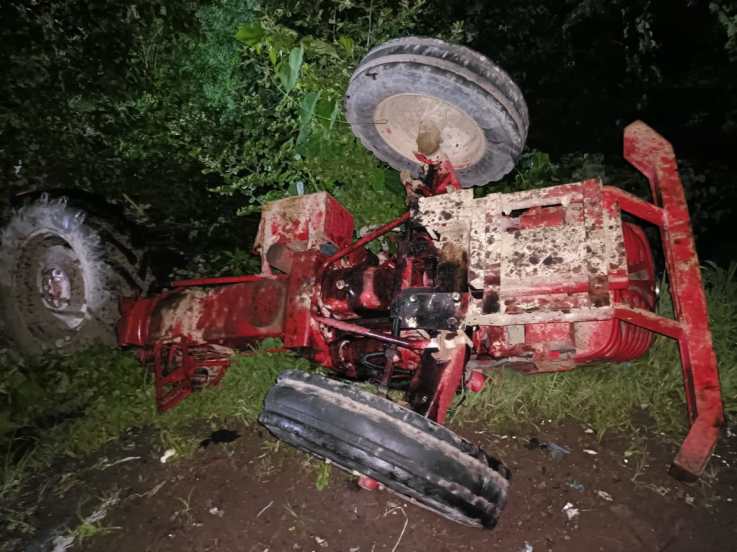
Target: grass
323, 470
77, 404
86, 530
96, 395
604, 397
186, 510
12, 473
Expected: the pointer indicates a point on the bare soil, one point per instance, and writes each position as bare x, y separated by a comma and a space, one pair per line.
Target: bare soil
254, 495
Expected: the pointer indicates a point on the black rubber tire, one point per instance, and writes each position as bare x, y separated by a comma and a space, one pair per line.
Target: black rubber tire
455, 74
362, 433
98, 265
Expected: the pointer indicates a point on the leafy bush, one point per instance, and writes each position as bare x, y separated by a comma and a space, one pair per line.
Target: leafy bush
255, 99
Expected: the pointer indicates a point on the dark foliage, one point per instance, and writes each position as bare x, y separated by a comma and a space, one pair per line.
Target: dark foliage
189, 112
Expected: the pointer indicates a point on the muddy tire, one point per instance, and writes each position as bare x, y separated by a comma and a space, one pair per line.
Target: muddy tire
61, 275
405, 83
362, 433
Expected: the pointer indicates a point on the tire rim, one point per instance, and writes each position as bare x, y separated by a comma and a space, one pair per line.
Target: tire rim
50, 287
402, 118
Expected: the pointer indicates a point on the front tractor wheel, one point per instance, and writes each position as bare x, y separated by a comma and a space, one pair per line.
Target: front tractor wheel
61, 275
422, 95
412, 456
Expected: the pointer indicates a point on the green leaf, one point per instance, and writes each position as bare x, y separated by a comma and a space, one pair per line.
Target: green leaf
319, 47
295, 63
288, 74
308, 112
347, 44
282, 38
250, 34
282, 73
273, 55
334, 114
82, 105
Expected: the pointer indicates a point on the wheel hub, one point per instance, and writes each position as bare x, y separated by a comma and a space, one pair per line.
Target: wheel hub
409, 123
50, 287
56, 289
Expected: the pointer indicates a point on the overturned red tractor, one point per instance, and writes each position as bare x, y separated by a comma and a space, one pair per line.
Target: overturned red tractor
535, 281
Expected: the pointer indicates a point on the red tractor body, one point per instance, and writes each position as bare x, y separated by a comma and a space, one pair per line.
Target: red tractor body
538, 281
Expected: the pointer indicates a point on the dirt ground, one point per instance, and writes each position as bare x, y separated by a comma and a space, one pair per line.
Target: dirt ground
254, 495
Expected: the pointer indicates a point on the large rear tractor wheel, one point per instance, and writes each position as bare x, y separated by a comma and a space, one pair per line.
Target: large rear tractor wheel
424, 95
61, 275
365, 434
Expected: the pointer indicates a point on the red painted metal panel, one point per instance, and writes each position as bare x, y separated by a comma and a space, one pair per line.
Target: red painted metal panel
301, 293
303, 223
653, 156
180, 368
231, 315
450, 381
219, 281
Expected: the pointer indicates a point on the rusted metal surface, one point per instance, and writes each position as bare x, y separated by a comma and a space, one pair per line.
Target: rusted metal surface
537, 281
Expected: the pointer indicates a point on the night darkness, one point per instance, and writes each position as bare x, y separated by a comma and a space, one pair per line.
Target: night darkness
582, 91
